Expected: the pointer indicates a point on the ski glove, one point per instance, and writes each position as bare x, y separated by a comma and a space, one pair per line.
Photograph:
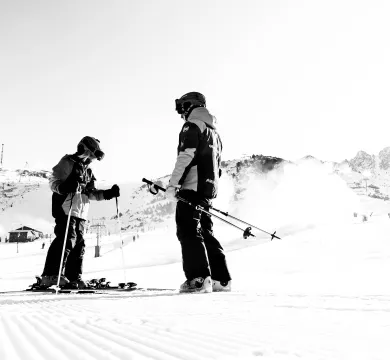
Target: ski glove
111, 193
205, 204
70, 185
170, 193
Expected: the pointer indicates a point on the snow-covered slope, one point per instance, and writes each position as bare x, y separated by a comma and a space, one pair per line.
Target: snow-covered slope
318, 293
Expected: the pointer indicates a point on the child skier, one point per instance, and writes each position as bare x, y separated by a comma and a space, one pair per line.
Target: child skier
73, 186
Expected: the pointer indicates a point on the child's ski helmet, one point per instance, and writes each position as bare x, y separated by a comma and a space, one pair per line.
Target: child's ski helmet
92, 144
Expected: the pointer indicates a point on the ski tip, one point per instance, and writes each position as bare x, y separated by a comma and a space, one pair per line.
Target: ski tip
127, 285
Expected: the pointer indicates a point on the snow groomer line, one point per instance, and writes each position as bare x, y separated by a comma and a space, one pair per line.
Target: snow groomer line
246, 232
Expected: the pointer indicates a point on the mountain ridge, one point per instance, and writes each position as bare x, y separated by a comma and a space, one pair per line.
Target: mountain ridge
364, 173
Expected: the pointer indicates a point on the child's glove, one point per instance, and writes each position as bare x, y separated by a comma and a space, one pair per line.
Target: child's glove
111, 193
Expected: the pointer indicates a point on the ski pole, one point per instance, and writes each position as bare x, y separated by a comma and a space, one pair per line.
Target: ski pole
63, 247
244, 222
120, 239
246, 232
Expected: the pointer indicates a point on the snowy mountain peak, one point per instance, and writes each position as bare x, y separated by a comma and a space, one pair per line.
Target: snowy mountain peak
309, 158
384, 158
374, 164
363, 161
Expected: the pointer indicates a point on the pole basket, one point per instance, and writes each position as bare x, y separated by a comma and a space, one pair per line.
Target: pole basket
247, 232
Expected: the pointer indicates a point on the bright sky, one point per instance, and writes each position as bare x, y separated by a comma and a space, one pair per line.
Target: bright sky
284, 78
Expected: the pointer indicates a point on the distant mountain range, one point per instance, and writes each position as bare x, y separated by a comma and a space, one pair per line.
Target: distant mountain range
375, 163
25, 196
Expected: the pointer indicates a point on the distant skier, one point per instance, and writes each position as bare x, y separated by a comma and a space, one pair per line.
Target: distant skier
195, 178
73, 186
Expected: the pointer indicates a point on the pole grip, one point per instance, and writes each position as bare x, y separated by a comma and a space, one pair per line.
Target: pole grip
152, 183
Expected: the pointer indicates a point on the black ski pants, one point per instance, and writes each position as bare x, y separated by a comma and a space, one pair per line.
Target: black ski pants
72, 266
202, 254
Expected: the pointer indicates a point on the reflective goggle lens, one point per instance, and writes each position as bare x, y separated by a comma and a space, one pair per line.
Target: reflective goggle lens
179, 108
99, 154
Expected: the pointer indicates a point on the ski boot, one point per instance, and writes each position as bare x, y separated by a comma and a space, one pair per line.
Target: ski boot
78, 283
46, 281
197, 285
222, 285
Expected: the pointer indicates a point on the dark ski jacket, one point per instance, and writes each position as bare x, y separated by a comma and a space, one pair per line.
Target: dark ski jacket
199, 155
70, 165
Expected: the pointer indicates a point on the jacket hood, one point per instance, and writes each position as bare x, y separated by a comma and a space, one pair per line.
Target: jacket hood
202, 114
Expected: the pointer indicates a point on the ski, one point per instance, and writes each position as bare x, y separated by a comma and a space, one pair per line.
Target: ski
112, 290
107, 291
94, 286
100, 291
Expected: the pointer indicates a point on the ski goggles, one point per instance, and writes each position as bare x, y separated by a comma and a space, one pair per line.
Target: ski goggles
97, 153
182, 106
179, 106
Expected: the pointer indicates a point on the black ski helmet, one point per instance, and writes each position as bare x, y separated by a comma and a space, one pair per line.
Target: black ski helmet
92, 144
189, 101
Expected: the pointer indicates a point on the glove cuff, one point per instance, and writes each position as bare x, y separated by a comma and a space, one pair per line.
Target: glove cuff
177, 187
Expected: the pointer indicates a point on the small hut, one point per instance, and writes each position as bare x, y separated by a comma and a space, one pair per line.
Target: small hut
24, 234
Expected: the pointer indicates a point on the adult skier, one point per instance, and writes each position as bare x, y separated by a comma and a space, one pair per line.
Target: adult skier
73, 186
195, 178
